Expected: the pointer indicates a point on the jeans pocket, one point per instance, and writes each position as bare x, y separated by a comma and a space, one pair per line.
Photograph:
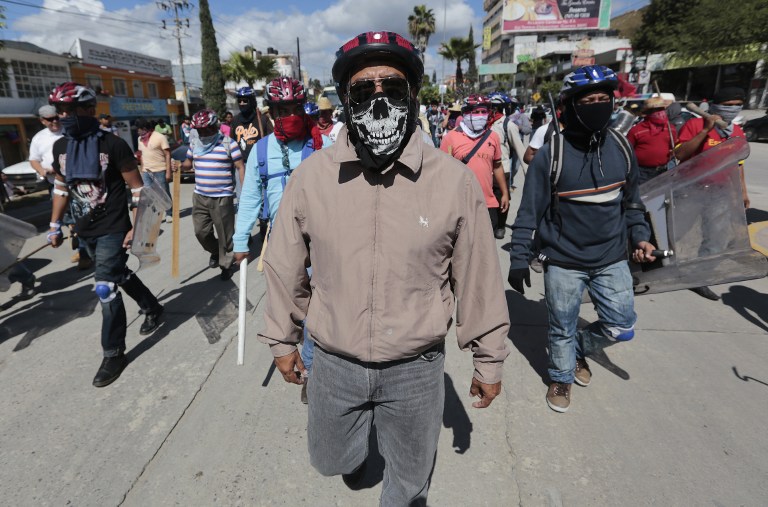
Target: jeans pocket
433, 353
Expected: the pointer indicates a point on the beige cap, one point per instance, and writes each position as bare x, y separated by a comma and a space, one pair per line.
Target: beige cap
46, 111
323, 104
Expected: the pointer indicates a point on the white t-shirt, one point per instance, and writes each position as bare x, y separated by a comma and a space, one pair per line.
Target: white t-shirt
537, 141
41, 147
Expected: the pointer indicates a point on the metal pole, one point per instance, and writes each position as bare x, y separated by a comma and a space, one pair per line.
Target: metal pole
181, 60
442, 84
298, 58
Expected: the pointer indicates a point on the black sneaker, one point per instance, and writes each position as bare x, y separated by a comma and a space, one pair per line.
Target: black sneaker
110, 370
498, 233
213, 262
226, 274
355, 479
27, 290
151, 321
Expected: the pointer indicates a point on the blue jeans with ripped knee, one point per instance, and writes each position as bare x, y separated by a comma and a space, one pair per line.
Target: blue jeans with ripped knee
610, 288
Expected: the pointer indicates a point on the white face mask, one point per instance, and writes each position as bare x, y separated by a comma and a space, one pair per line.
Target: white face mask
476, 122
380, 124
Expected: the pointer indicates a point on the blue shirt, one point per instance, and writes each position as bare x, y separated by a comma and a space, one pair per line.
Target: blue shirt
251, 199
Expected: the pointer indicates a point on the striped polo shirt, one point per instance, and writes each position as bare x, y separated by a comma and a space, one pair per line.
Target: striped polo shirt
214, 170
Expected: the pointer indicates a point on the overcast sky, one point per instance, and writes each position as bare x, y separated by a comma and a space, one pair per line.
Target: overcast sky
321, 25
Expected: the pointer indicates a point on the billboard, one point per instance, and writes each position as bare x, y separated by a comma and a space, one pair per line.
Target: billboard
520, 16
98, 54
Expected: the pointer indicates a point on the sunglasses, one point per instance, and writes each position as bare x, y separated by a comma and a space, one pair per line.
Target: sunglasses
51, 119
395, 88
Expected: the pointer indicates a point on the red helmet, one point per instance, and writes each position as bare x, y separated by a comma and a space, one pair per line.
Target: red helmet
474, 101
285, 89
204, 118
72, 93
385, 45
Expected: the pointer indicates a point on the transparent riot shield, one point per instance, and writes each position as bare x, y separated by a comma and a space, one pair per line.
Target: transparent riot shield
13, 234
696, 211
153, 203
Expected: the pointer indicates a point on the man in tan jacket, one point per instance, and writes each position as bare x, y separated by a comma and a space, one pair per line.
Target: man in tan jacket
395, 231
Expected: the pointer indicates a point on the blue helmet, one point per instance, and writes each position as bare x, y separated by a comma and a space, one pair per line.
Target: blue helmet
311, 109
588, 78
498, 98
245, 92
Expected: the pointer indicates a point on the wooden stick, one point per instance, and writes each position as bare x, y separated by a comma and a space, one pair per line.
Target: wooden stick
695, 109
30, 254
176, 224
260, 265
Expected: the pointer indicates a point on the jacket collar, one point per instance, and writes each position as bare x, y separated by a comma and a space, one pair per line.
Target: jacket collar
411, 157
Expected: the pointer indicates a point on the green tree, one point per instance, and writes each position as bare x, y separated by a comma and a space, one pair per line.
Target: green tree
548, 87
457, 49
240, 67
533, 69
421, 25
266, 68
471, 79
213, 77
434, 77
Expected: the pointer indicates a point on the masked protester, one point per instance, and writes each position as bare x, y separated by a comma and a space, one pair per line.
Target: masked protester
93, 169
701, 134
386, 258
217, 160
653, 139
583, 226
474, 143
249, 125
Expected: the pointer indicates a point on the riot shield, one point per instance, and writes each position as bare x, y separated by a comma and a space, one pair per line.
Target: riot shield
13, 234
696, 211
153, 203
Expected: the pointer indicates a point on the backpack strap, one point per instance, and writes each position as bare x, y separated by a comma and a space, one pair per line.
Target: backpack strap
555, 170
506, 125
261, 160
624, 145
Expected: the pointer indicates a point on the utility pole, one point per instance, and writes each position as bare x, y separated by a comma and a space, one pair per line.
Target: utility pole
176, 6
298, 58
442, 85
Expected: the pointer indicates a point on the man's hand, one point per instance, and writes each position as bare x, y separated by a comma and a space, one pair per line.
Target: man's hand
643, 252
745, 198
291, 368
239, 256
504, 204
128, 240
709, 121
516, 278
55, 237
486, 392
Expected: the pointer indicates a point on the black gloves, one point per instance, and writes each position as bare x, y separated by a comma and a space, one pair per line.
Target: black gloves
516, 278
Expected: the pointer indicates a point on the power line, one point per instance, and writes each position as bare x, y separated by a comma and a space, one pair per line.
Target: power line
90, 16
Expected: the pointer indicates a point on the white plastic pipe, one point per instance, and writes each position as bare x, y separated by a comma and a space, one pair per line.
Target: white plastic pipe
243, 303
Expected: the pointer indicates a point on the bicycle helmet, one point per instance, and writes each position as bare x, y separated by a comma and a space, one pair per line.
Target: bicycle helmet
245, 92
311, 109
499, 98
474, 101
374, 45
72, 93
205, 118
589, 78
286, 90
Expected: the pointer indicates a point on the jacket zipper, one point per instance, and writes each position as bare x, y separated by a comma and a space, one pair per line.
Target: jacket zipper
372, 302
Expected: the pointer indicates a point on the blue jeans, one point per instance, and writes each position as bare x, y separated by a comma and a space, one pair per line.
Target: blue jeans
157, 178
405, 398
308, 349
610, 288
109, 259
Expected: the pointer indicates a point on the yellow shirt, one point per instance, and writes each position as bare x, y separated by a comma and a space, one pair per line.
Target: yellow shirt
153, 153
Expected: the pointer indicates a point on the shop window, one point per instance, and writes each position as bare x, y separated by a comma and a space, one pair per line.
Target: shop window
93, 81
152, 90
138, 89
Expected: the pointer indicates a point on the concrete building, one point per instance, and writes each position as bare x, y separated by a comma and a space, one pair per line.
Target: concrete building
31, 72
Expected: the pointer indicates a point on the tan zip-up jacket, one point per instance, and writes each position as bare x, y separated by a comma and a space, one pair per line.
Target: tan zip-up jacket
389, 252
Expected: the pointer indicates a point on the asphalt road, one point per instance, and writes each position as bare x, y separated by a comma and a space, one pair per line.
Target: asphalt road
675, 417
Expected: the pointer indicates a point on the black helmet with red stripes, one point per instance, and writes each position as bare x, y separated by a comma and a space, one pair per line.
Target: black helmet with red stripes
372, 45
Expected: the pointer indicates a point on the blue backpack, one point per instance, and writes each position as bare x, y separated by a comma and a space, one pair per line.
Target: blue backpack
261, 159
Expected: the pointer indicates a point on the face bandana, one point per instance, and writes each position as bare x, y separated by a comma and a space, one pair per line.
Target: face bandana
657, 117
145, 137
727, 113
380, 124
288, 128
592, 117
476, 122
83, 159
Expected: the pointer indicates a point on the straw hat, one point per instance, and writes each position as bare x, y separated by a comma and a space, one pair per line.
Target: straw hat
323, 104
656, 102
456, 107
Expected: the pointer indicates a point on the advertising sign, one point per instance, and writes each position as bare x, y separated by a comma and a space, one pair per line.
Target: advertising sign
98, 54
126, 107
496, 68
486, 38
555, 15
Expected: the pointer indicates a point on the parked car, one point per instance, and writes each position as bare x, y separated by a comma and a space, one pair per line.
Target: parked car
25, 178
756, 129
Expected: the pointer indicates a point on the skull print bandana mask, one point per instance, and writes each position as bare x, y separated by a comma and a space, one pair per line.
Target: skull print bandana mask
380, 124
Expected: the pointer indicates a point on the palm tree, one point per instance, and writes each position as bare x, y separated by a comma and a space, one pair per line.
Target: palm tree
421, 25
240, 67
266, 68
457, 49
533, 68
